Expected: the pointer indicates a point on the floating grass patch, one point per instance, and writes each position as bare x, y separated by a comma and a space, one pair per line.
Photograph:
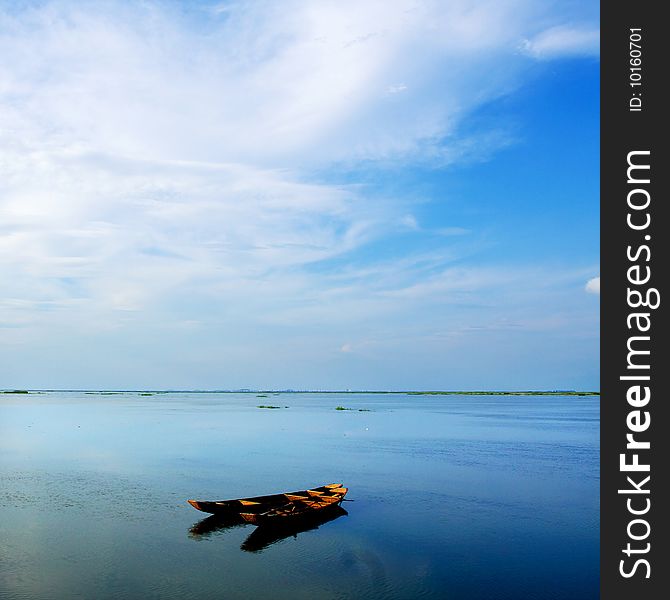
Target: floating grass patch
269, 406
358, 409
146, 394
261, 395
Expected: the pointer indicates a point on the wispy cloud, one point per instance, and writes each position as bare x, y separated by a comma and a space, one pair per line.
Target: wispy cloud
160, 162
396, 89
561, 41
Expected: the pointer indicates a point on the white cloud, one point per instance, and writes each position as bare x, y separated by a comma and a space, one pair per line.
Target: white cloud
593, 286
410, 222
273, 84
396, 89
140, 154
561, 41
157, 164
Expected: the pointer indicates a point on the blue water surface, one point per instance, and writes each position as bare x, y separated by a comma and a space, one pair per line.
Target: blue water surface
457, 497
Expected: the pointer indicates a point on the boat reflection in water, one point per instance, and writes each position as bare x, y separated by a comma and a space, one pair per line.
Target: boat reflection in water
264, 536
213, 524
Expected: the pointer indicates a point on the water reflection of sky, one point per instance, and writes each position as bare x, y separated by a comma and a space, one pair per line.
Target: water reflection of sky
465, 497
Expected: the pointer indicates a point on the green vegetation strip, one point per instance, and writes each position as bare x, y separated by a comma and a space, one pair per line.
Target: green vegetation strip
556, 393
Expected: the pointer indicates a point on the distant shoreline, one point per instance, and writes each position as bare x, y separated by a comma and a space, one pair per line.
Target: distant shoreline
248, 391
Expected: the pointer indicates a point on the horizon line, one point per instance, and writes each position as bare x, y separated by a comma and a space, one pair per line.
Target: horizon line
294, 391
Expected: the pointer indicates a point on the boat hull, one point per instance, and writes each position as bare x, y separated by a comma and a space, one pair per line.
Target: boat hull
260, 504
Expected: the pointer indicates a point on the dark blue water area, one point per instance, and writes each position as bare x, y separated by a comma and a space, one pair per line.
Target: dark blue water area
457, 497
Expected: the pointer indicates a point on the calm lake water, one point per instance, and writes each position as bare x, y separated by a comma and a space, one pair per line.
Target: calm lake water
458, 497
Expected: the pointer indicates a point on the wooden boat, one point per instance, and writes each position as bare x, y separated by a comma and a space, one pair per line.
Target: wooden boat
298, 509
260, 504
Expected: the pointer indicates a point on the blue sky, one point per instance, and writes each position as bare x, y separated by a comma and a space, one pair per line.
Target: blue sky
307, 195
